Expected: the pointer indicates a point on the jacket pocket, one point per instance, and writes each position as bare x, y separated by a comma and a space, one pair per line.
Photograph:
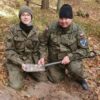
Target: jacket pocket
19, 43
69, 41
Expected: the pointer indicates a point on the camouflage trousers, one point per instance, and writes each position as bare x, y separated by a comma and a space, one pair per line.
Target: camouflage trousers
75, 69
16, 76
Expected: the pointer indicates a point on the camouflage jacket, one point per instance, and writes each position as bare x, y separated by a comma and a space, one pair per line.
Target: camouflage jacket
21, 47
56, 42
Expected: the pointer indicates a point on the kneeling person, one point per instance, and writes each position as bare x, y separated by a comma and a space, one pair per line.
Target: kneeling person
21, 47
64, 40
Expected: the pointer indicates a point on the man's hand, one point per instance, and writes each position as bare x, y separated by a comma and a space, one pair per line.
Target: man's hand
41, 61
65, 60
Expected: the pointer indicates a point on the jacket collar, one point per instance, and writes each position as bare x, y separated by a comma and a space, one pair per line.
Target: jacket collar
30, 33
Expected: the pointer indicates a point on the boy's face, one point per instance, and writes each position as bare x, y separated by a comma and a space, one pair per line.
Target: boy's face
64, 22
26, 18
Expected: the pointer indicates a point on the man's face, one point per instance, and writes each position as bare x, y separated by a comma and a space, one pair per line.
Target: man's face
26, 18
65, 22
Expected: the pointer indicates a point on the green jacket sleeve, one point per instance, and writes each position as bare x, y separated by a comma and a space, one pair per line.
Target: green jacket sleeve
43, 48
82, 46
10, 52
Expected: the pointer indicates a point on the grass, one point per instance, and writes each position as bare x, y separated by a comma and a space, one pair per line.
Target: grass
20, 1
43, 18
91, 27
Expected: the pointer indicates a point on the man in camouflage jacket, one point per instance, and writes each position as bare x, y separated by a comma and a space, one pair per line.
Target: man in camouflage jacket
64, 40
21, 47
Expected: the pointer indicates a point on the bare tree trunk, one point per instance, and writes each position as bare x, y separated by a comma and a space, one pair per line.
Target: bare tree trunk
98, 1
45, 4
58, 5
27, 2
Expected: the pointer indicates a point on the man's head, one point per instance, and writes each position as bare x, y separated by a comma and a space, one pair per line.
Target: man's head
25, 15
65, 16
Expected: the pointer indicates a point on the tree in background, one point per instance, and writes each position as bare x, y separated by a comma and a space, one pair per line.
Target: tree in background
27, 2
45, 4
98, 1
58, 4
71, 2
